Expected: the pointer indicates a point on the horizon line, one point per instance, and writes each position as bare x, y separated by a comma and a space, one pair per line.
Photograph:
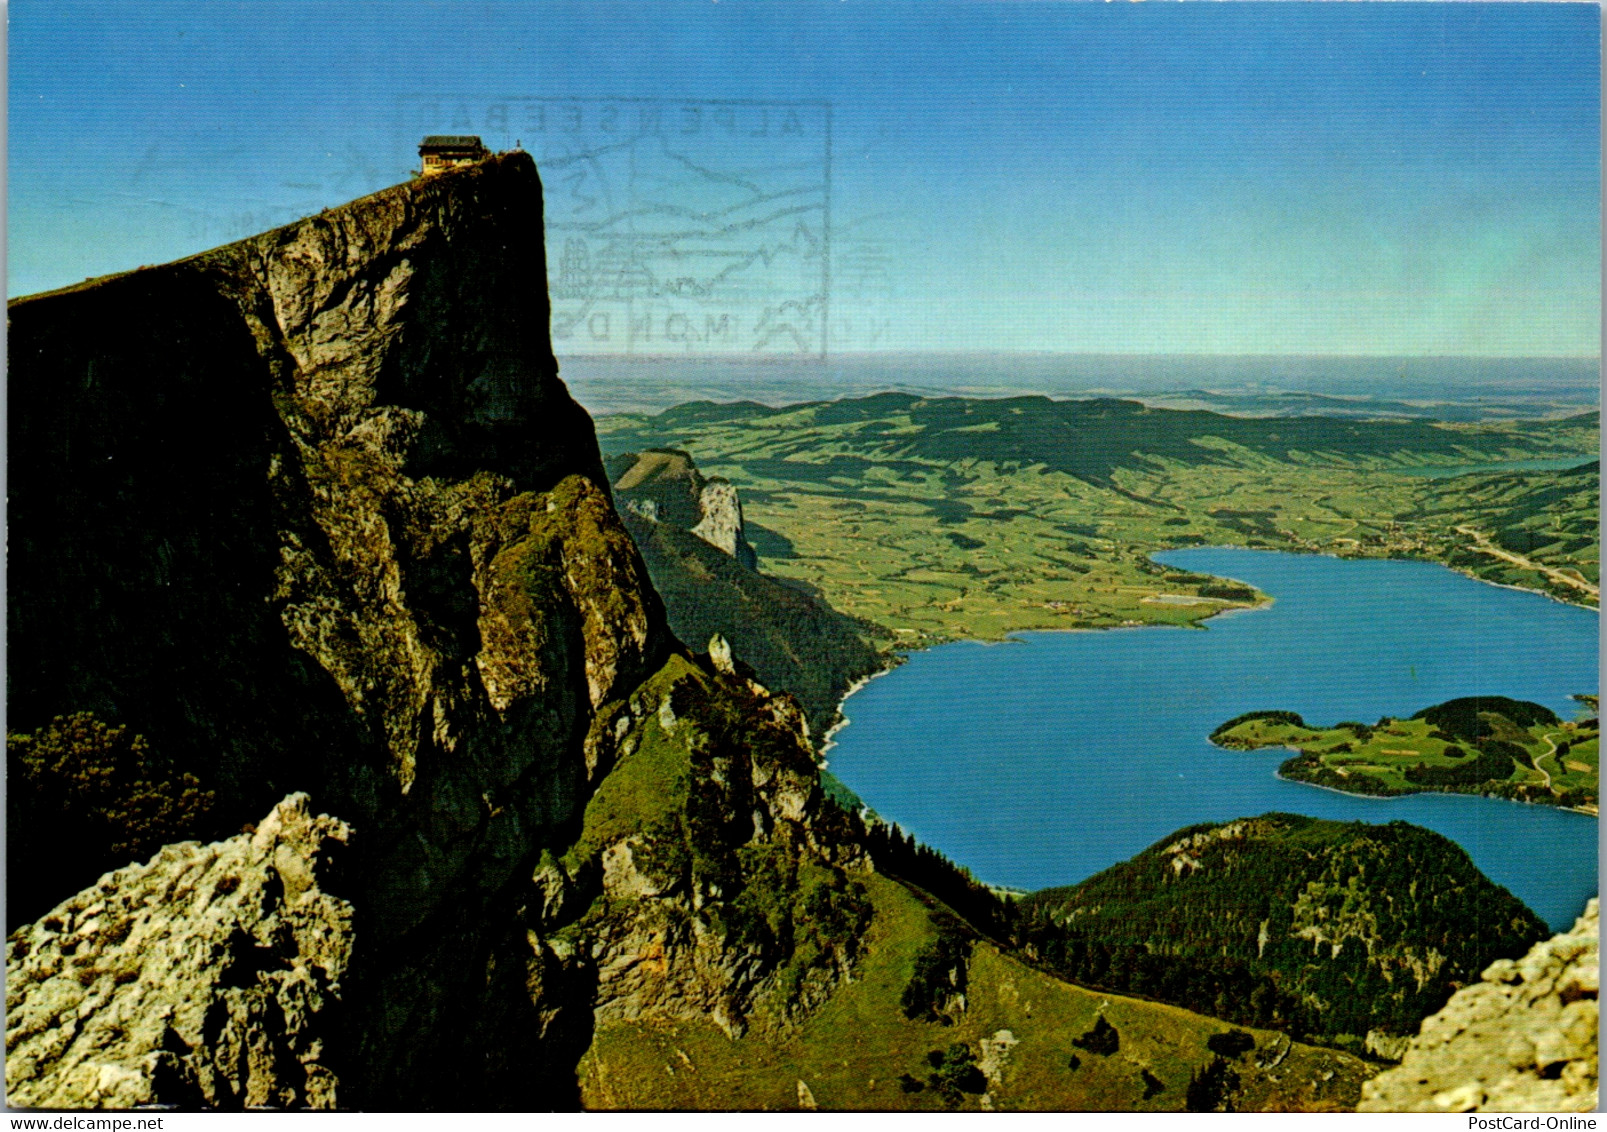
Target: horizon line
818, 359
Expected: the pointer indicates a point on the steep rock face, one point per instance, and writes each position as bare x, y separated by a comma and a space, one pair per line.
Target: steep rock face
313, 512
721, 524
283, 443
208, 976
663, 485
1521, 1040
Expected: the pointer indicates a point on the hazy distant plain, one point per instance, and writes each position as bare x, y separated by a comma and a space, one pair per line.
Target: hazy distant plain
1441, 388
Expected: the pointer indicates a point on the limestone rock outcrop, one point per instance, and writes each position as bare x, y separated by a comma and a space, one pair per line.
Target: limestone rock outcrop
720, 887
1523, 1039
211, 975
663, 485
721, 524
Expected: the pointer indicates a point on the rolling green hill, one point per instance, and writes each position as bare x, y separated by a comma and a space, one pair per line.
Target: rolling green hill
1091, 439
1328, 929
1550, 518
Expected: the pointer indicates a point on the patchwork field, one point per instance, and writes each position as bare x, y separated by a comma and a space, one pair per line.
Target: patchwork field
947, 518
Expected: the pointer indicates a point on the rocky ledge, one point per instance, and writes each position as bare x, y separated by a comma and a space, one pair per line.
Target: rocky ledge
206, 977
1522, 1040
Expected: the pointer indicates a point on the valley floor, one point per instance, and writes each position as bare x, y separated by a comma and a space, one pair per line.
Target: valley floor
941, 548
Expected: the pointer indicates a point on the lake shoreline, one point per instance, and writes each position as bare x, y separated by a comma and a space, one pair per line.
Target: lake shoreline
1392, 797
1509, 585
1037, 727
829, 739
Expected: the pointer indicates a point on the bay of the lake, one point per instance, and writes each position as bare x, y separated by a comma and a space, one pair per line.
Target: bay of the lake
1044, 759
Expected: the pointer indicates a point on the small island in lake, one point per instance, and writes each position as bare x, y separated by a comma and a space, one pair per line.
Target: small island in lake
1474, 745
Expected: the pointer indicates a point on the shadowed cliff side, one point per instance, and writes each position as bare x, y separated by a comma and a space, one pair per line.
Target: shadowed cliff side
313, 512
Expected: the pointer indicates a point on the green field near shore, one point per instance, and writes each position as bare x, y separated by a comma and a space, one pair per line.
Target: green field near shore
944, 518
1551, 761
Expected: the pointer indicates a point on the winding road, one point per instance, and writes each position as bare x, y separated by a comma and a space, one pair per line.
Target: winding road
1483, 545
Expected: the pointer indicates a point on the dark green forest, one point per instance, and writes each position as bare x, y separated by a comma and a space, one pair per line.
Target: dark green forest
1464, 717
1325, 929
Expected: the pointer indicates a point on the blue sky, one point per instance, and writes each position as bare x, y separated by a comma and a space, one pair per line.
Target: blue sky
1292, 178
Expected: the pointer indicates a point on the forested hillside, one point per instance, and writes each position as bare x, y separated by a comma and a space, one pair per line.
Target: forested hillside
1322, 928
793, 641
692, 537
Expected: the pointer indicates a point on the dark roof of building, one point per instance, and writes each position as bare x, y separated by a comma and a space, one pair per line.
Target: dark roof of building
451, 141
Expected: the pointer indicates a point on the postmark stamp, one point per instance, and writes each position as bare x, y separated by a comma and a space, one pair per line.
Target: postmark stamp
690, 227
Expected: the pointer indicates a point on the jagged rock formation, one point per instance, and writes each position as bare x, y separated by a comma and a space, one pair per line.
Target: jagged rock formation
663, 485
1521, 1040
313, 512
208, 976
723, 888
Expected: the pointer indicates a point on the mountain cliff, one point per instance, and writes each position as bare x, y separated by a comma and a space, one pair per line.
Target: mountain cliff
793, 640
313, 512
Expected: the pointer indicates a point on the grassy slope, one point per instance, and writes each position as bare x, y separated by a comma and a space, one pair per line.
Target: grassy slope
974, 518
851, 1052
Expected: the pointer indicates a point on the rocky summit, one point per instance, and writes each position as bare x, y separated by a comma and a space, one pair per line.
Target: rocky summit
313, 513
1523, 1039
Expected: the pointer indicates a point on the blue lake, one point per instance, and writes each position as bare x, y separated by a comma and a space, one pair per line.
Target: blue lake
1042, 760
